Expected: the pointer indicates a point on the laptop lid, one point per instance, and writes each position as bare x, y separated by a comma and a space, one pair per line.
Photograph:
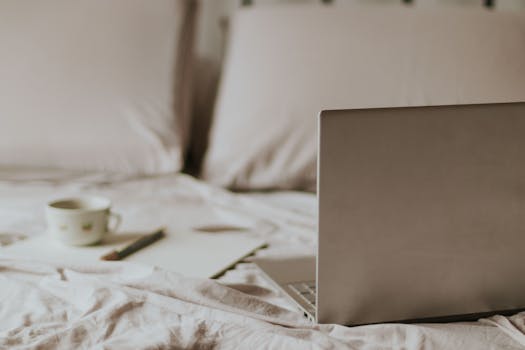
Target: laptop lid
421, 212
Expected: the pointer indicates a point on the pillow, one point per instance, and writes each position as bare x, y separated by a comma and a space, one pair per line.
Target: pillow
95, 84
286, 64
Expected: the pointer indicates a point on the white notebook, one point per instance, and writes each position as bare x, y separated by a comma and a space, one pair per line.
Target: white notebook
193, 254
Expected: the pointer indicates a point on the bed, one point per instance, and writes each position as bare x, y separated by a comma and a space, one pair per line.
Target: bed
265, 187
124, 305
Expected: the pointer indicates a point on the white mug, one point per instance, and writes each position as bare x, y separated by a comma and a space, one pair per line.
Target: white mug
80, 220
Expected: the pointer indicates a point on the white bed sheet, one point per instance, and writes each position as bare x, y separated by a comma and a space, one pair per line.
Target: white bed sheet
123, 305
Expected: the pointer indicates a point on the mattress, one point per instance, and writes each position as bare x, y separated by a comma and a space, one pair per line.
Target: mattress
126, 305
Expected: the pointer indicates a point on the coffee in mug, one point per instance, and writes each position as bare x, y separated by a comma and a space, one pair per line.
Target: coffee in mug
81, 220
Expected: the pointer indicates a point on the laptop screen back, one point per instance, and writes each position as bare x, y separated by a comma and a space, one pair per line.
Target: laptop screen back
421, 212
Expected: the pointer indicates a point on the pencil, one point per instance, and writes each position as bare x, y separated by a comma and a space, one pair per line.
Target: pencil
134, 246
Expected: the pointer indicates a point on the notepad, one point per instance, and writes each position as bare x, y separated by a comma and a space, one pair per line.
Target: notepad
193, 254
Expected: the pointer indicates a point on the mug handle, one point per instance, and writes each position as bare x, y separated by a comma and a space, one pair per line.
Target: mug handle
117, 221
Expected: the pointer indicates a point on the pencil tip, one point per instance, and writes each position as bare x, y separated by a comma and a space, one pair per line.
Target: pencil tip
111, 256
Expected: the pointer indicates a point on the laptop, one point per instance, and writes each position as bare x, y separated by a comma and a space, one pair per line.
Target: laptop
421, 216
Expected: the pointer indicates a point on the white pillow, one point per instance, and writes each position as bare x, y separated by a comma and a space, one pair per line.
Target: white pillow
94, 84
286, 64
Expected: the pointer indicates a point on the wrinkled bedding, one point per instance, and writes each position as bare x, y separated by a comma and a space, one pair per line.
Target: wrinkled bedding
120, 305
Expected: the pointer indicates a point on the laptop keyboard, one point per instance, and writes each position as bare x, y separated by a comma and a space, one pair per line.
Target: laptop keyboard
306, 291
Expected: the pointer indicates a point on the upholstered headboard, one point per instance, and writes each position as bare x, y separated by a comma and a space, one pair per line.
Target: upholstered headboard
488, 3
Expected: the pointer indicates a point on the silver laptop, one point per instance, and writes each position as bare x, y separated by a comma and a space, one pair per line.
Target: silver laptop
421, 216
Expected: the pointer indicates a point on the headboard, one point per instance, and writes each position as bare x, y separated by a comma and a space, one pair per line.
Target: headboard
486, 3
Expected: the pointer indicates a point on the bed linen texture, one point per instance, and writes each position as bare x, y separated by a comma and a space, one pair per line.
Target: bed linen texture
121, 305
